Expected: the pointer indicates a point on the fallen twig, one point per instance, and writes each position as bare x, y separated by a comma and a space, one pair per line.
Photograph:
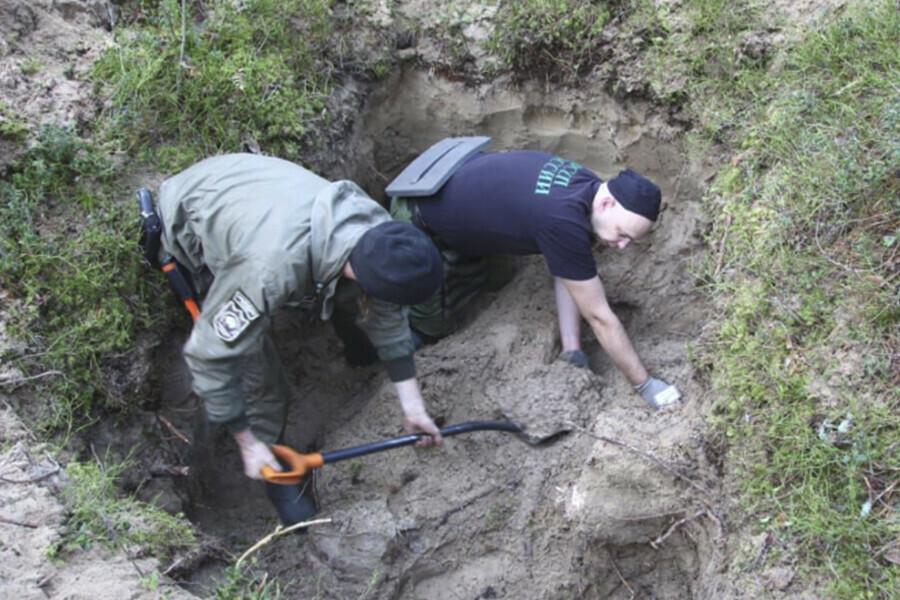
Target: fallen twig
677, 525
56, 469
279, 531
169, 470
20, 380
644, 517
622, 579
173, 429
19, 523
723, 243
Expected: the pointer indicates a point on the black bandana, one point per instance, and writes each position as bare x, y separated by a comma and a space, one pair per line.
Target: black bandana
636, 193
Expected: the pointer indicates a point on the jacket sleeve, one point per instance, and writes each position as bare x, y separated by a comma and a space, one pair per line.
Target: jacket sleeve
388, 329
231, 328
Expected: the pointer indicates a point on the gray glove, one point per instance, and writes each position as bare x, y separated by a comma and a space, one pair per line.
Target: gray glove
576, 358
658, 393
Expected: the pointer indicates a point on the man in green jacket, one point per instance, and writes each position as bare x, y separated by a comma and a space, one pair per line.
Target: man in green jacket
259, 233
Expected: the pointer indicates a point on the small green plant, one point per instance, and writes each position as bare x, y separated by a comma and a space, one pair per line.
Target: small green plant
449, 30
707, 56
497, 516
356, 468
98, 515
239, 584
151, 581
557, 37
371, 584
12, 126
32, 66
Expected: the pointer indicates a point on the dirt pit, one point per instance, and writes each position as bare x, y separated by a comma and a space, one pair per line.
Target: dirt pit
624, 505
621, 505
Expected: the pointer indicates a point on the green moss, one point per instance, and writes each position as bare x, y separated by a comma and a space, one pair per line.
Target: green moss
68, 253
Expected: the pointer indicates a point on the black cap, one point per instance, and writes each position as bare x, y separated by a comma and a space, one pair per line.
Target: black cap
636, 193
398, 263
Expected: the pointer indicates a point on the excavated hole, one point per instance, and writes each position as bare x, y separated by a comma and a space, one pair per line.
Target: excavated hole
489, 516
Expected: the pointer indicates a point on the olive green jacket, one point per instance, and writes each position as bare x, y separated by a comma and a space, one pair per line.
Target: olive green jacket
258, 234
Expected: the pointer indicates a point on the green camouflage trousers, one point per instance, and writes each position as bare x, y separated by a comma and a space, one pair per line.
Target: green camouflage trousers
464, 278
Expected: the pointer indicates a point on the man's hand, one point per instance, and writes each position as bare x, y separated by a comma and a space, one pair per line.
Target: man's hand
255, 454
422, 423
658, 393
416, 419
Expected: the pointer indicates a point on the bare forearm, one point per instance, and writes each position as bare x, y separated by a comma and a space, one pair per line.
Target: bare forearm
415, 416
617, 345
410, 397
569, 317
590, 298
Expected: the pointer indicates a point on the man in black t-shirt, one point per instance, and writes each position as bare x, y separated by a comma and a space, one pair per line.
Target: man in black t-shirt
527, 202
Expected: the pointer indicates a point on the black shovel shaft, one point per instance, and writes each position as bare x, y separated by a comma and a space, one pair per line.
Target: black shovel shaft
336, 455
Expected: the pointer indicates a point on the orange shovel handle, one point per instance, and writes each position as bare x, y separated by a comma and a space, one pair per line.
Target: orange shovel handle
300, 465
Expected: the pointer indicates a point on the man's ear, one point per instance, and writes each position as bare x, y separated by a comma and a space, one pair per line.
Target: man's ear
605, 202
347, 271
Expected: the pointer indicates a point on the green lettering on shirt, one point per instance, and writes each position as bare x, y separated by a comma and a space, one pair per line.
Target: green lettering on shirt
557, 171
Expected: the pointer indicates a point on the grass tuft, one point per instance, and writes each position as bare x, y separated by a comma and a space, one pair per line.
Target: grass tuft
185, 84
240, 584
97, 514
12, 126
557, 37
186, 80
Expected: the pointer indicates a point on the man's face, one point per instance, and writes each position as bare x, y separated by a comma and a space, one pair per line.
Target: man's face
615, 226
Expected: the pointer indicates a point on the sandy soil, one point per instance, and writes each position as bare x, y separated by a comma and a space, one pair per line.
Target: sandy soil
626, 504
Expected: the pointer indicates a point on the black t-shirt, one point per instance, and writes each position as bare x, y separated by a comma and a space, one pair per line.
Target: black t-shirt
521, 202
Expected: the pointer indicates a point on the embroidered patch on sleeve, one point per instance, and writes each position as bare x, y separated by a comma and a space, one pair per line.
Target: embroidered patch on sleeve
234, 317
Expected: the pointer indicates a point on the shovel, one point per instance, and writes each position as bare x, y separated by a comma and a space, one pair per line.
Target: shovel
301, 464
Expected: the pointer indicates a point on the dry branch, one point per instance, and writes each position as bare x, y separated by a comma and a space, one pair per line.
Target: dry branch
621, 578
279, 531
160, 470
27, 524
56, 469
676, 526
173, 429
20, 380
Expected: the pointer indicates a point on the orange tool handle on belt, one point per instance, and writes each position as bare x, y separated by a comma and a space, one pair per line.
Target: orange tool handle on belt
181, 287
150, 245
300, 465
